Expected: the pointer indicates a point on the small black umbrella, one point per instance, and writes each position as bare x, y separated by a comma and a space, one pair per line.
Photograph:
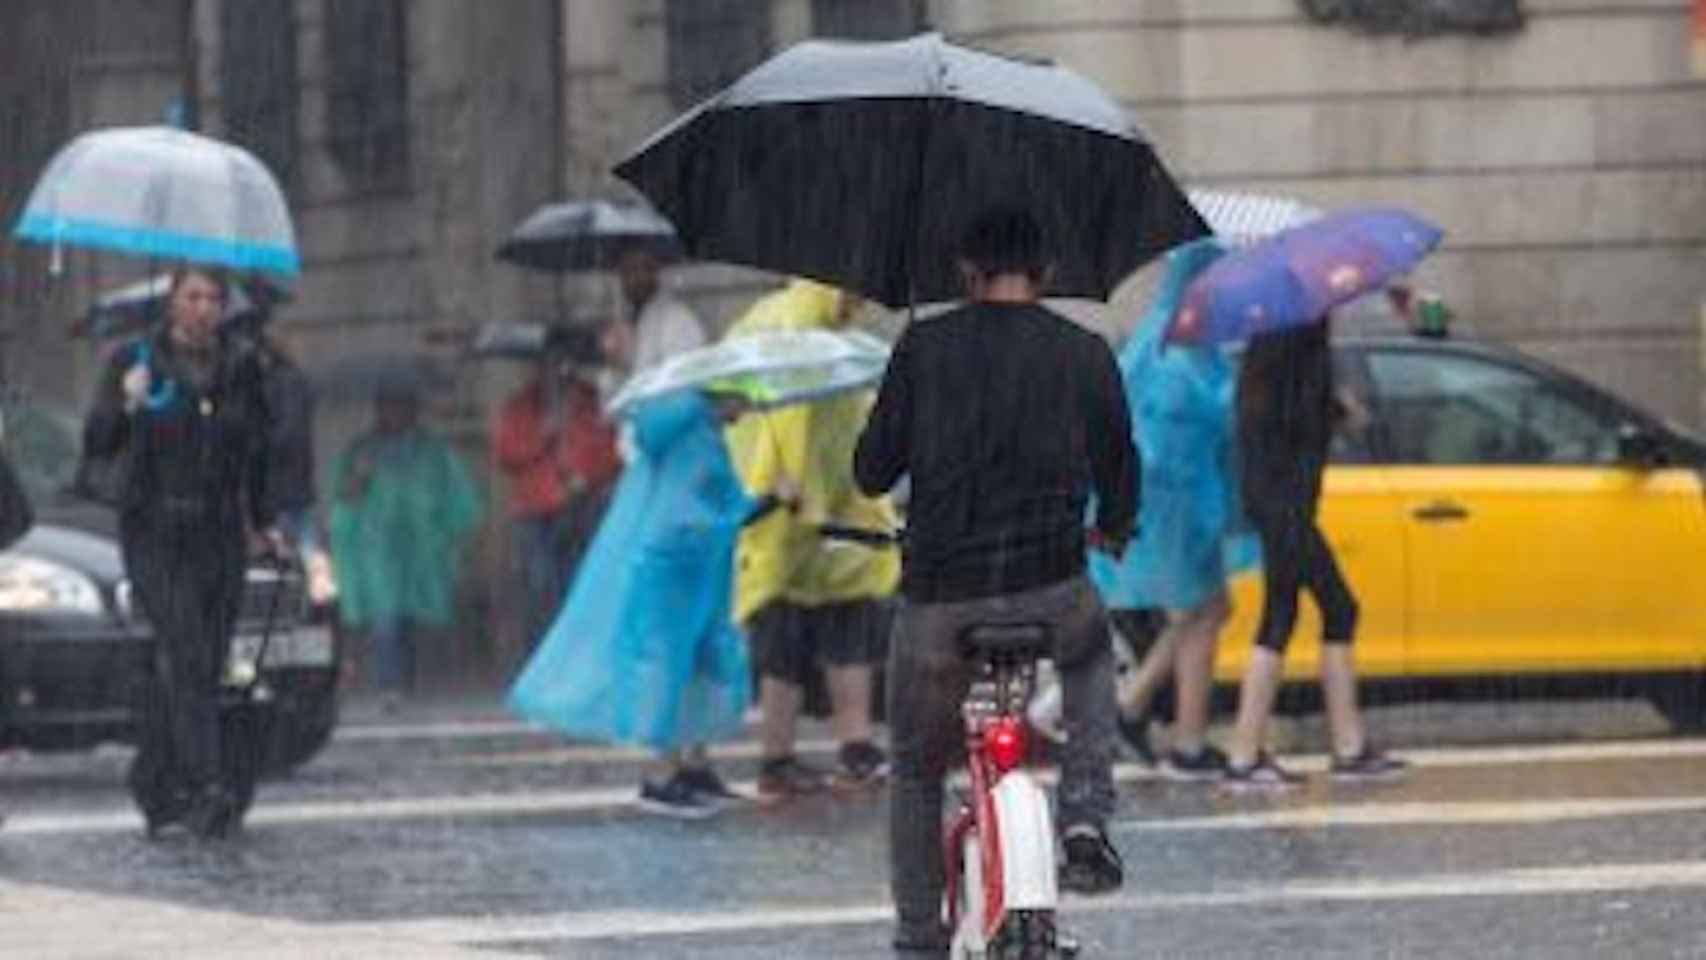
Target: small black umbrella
861, 165
588, 235
358, 378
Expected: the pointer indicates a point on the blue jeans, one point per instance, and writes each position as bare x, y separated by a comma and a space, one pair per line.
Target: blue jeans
394, 654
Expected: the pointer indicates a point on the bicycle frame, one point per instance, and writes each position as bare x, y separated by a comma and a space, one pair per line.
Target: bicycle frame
999, 849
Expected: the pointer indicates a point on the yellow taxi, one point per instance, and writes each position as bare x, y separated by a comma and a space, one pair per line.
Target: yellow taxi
1500, 517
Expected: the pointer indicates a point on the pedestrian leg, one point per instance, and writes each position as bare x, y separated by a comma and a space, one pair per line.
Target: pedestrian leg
927, 682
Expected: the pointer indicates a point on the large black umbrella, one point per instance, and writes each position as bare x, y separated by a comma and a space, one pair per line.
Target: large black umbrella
861, 164
587, 235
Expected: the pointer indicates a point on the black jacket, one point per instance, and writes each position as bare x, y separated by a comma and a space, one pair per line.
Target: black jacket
201, 457
1006, 417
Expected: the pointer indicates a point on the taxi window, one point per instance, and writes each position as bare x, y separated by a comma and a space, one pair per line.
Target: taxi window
1439, 408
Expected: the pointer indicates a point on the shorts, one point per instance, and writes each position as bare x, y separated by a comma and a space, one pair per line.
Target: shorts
789, 641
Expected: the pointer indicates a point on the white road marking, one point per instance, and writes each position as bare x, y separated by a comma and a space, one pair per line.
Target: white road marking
611, 924
1488, 756
610, 799
1444, 812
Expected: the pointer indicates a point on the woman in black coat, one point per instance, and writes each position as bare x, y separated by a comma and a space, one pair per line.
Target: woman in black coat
186, 415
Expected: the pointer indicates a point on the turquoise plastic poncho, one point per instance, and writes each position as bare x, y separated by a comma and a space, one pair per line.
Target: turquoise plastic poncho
644, 650
396, 548
1190, 527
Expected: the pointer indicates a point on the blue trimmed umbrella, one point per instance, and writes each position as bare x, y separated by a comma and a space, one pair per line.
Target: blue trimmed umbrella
162, 193
1295, 277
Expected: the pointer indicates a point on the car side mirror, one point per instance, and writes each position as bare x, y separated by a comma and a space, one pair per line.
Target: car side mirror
1640, 447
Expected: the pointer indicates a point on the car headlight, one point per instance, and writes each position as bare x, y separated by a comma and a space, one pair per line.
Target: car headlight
38, 585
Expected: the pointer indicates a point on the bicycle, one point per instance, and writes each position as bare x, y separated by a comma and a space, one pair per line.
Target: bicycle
1002, 890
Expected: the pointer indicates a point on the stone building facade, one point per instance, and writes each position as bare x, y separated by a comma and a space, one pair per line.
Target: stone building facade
1566, 159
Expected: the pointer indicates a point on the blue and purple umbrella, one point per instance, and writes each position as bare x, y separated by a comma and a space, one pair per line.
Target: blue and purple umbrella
1298, 275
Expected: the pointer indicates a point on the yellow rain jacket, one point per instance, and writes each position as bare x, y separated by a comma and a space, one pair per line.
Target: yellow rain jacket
782, 557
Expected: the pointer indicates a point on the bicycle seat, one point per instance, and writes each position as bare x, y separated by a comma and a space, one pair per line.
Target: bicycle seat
1028, 640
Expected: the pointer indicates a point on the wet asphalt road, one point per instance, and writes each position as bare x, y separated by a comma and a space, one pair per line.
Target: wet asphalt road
1540, 830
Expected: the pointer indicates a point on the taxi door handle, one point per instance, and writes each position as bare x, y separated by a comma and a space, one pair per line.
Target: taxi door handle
1441, 511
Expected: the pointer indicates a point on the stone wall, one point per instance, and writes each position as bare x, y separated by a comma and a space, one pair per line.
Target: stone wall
1567, 161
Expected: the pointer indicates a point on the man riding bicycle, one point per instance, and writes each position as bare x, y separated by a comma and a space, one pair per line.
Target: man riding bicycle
1005, 416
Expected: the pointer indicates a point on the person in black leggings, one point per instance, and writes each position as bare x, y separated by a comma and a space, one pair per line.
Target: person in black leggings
1287, 411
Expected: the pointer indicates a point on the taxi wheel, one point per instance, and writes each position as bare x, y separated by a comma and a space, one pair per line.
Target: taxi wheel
1682, 701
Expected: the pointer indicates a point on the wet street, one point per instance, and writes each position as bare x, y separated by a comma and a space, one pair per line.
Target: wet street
1543, 830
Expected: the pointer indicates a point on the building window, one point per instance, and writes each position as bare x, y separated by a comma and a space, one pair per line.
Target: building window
867, 19
258, 81
367, 90
1418, 18
711, 43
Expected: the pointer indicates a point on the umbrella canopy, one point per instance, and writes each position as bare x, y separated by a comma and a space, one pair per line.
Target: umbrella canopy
862, 164
132, 308
1298, 275
588, 235
358, 378
1245, 219
771, 368
163, 193
511, 341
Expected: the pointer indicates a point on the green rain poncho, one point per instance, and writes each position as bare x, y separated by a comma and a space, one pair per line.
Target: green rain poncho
396, 547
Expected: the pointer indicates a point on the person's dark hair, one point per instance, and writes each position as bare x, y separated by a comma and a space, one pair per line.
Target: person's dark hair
1006, 240
219, 275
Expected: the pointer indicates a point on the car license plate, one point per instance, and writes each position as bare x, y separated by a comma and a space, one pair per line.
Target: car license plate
301, 647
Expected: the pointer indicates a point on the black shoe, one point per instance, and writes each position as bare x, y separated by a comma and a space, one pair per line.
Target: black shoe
1092, 864
212, 815
705, 784
1207, 764
863, 764
672, 798
919, 944
1134, 730
1369, 766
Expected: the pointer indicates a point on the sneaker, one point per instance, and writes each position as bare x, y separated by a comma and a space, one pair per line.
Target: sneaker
672, 798
707, 786
1263, 776
1134, 730
1204, 765
863, 764
785, 778
1369, 766
1092, 864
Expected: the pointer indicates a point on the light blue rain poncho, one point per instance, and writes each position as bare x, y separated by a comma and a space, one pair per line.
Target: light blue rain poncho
1189, 521
644, 650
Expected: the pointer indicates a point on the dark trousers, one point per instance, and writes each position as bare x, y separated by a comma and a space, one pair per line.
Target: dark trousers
927, 681
188, 580
1296, 557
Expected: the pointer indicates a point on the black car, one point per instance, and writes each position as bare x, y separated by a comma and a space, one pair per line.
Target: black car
73, 648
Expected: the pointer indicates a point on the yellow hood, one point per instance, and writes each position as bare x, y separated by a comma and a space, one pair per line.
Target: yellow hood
782, 556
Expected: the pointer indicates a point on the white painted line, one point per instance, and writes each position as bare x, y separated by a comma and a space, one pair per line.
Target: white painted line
739, 750
608, 799
1489, 756
443, 730
1416, 814
634, 924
